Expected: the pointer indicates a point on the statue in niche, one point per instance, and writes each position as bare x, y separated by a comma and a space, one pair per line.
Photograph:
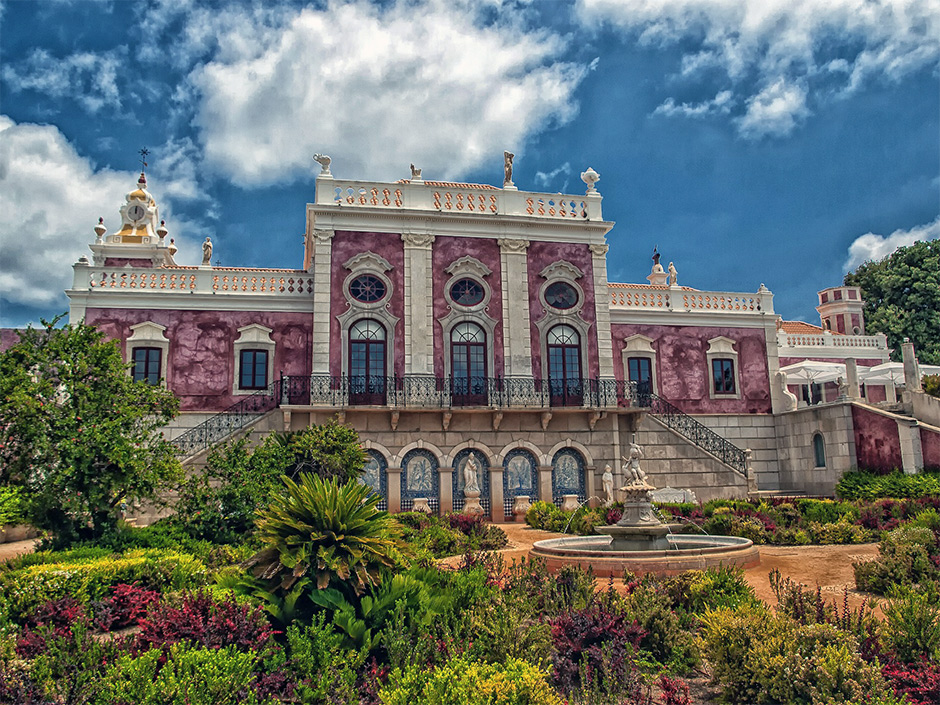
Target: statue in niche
415, 172
507, 168
632, 469
673, 275
324, 161
607, 479
207, 252
471, 483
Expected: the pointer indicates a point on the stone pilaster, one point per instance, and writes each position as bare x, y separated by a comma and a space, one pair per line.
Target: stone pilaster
605, 348
517, 341
912, 452
497, 511
545, 483
393, 483
419, 299
446, 489
322, 291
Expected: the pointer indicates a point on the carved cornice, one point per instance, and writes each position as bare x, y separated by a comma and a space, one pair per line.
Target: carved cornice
513, 244
599, 250
368, 260
469, 265
562, 269
423, 240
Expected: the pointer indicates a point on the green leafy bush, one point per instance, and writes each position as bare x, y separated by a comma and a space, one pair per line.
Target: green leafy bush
898, 485
759, 657
190, 676
911, 629
465, 682
324, 669
12, 506
89, 579
907, 557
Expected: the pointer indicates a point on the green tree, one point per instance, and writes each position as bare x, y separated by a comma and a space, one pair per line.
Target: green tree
902, 298
77, 433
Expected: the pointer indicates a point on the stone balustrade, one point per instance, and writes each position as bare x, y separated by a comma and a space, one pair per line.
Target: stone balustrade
827, 339
219, 281
641, 298
444, 197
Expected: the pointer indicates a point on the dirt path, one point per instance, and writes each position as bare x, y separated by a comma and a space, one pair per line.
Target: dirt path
829, 567
15, 548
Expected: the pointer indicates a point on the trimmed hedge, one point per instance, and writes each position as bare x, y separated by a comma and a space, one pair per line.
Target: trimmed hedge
862, 484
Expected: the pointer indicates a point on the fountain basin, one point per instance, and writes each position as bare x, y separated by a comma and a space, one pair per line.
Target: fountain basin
686, 552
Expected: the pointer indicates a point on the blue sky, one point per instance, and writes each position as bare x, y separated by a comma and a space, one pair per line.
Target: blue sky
781, 141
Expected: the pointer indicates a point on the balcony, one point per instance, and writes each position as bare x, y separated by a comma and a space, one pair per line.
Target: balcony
426, 392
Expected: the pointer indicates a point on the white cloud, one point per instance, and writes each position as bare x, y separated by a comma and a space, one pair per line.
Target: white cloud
91, 79
779, 54
378, 88
545, 179
775, 111
50, 199
871, 247
719, 105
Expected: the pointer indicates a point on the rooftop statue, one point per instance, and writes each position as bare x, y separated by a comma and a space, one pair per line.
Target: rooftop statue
324, 161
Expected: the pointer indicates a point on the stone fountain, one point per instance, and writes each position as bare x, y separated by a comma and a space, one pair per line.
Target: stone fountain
640, 542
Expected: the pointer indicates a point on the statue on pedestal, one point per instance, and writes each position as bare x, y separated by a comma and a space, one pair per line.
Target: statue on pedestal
673, 275
471, 483
507, 168
207, 252
608, 481
632, 469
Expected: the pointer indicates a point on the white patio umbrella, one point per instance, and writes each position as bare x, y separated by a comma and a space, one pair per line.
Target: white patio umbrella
813, 372
891, 372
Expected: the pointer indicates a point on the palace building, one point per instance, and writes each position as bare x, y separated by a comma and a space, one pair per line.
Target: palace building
445, 321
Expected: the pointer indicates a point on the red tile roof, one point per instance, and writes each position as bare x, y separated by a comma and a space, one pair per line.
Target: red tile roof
801, 328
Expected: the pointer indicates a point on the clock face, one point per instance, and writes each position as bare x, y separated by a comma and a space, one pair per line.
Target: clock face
136, 212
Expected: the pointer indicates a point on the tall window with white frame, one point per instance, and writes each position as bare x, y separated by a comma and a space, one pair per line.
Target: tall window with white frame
723, 375
253, 369
147, 365
640, 370
566, 388
468, 365
367, 357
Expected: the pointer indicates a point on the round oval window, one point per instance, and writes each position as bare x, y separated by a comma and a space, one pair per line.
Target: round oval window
561, 295
467, 292
367, 289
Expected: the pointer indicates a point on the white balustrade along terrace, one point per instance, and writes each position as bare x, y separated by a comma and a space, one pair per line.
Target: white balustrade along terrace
457, 198
219, 281
682, 299
827, 339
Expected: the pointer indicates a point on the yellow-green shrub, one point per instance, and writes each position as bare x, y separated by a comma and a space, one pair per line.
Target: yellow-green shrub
88, 580
464, 682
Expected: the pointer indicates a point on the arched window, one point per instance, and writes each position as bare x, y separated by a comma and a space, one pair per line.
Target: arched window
468, 364
564, 366
367, 362
819, 450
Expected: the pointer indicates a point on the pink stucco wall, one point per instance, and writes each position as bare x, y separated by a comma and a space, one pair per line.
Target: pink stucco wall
347, 244
540, 255
682, 371
877, 444
930, 443
201, 360
446, 250
875, 393
8, 338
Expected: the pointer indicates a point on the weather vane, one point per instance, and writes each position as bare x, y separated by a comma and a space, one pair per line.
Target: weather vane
143, 158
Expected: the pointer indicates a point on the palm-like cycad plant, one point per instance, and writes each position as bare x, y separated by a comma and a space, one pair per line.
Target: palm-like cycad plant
326, 532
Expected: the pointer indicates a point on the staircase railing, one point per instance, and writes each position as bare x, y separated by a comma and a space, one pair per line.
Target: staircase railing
695, 431
227, 422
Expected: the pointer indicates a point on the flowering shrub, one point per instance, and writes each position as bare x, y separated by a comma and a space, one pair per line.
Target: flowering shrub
908, 555
593, 646
919, 682
201, 620
53, 619
127, 606
673, 690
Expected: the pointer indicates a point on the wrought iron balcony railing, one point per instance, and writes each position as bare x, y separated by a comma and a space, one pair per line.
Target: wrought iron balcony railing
431, 392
